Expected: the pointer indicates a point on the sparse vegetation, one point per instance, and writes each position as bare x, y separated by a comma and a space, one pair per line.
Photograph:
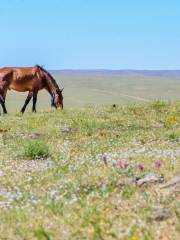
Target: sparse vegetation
35, 150
84, 183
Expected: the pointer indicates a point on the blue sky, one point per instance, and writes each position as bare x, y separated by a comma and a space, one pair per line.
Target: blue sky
90, 34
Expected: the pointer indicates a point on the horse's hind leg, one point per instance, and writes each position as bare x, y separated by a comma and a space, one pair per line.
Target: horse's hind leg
34, 102
26, 102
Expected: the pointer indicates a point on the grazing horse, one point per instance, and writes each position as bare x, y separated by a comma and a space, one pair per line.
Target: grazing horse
29, 79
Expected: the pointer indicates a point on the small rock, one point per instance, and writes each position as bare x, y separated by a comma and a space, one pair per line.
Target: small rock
149, 178
67, 130
133, 179
35, 135
160, 214
174, 181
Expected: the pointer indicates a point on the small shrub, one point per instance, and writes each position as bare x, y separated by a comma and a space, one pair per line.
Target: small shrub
41, 234
172, 136
158, 105
35, 150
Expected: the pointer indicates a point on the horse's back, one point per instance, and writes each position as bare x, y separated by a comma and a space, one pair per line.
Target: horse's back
5, 71
18, 78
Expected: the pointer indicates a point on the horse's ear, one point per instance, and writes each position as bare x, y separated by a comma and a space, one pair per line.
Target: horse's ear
59, 90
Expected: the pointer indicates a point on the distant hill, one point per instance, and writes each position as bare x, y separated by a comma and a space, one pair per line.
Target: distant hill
148, 73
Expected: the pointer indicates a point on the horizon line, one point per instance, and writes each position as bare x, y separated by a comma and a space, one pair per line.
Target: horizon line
109, 69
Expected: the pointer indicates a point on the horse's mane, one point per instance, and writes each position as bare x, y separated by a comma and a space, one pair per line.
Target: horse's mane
49, 75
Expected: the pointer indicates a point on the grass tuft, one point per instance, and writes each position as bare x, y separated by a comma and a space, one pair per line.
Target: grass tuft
35, 150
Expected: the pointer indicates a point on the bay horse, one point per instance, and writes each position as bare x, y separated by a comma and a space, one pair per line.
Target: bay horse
29, 79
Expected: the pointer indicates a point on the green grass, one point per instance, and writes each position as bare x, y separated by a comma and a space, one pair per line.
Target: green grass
55, 184
35, 150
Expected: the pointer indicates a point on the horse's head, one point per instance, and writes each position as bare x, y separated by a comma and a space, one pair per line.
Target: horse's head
57, 99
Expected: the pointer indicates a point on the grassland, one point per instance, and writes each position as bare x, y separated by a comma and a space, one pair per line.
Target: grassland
106, 87
69, 175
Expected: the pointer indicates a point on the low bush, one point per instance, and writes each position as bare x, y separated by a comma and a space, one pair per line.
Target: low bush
35, 150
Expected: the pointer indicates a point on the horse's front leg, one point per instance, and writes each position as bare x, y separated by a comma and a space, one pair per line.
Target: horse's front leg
27, 101
34, 102
2, 102
4, 108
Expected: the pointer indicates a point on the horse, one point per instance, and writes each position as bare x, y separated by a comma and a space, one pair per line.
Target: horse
31, 80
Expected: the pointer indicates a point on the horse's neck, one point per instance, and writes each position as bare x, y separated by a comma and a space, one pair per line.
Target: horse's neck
50, 86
